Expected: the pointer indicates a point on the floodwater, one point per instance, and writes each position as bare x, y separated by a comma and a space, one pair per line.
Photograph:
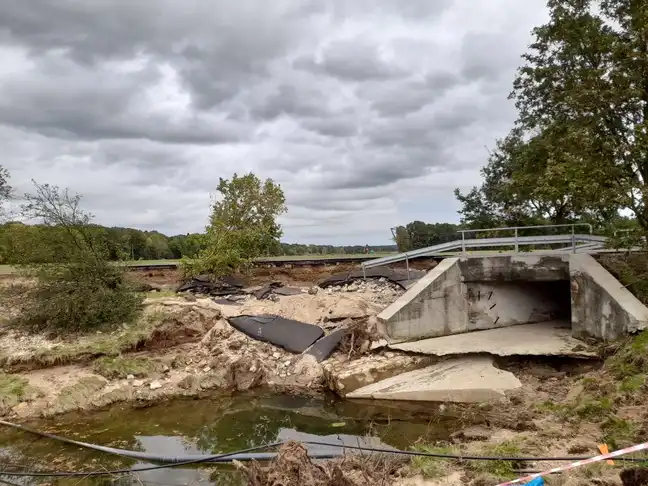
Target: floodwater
205, 426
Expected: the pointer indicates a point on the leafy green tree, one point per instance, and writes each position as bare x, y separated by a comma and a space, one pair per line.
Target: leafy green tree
77, 289
243, 224
580, 144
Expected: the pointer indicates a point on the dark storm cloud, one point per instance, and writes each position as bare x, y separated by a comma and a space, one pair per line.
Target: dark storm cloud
351, 106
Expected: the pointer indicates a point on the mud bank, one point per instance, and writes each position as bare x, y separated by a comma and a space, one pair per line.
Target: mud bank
181, 346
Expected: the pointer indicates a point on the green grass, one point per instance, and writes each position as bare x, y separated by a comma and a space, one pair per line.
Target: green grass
500, 469
432, 467
120, 367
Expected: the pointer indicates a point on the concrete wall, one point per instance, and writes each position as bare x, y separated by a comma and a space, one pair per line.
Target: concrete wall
601, 307
517, 268
492, 305
434, 306
469, 294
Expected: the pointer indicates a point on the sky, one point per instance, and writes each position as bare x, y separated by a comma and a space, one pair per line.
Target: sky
367, 112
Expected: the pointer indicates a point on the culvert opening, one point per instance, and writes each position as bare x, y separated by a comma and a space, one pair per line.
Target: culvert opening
501, 304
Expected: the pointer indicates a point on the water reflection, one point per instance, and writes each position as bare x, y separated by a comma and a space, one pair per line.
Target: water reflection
205, 426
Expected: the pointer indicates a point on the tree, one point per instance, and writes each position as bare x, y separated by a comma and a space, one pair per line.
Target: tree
77, 287
242, 226
580, 143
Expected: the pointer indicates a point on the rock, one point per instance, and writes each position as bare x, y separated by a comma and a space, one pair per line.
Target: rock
286, 363
308, 372
130, 377
582, 447
473, 433
239, 377
470, 379
155, 385
206, 369
313, 290
346, 377
138, 383
191, 382
23, 410
276, 355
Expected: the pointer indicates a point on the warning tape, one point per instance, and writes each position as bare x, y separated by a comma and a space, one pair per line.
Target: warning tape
602, 457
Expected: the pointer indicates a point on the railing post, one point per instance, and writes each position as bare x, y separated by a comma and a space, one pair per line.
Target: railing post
407, 265
573, 239
517, 246
364, 272
463, 242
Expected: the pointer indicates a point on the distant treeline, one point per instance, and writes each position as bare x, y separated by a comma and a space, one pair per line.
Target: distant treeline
20, 242
418, 234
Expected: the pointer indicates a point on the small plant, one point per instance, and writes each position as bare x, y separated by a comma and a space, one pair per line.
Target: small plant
503, 469
13, 390
617, 432
432, 467
120, 367
592, 409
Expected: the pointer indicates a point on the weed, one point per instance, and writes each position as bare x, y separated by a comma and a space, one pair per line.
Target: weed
592, 409
120, 367
617, 432
501, 468
632, 384
432, 467
631, 359
13, 390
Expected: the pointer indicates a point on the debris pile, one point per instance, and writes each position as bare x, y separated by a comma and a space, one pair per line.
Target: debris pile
293, 466
207, 285
397, 276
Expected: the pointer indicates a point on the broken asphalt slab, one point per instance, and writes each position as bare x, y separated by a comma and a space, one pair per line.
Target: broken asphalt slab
324, 347
293, 336
395, 275
462, 380
541, 339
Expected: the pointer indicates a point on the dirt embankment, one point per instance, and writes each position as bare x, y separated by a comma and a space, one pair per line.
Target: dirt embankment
183, 345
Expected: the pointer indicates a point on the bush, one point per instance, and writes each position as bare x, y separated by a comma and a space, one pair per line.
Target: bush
77, 288
80, 296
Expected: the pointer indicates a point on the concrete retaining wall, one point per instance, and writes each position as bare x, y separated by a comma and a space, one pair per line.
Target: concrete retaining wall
601, 306
434, 306
469, 294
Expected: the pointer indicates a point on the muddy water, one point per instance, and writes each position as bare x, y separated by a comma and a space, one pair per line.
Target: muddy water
205, 426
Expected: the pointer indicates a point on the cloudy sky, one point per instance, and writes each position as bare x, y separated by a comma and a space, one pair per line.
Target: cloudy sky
368, 112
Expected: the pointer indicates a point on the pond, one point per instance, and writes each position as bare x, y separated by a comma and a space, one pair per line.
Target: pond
205, 426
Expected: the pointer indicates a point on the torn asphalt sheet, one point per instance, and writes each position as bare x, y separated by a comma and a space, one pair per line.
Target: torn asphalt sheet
293, 336
395, 275
204, 284
323, 348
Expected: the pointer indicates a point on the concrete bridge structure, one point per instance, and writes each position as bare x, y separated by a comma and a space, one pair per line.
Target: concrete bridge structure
471, 309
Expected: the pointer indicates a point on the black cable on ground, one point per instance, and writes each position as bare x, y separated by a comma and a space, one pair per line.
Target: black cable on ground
248, 454
133, 470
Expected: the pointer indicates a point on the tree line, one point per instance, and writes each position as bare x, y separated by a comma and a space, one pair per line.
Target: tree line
18, 239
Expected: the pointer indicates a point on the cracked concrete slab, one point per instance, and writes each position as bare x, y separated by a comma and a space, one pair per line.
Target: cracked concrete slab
462, 380
541, 339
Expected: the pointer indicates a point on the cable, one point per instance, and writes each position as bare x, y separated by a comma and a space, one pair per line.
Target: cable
465, 458
248, 454
133, 470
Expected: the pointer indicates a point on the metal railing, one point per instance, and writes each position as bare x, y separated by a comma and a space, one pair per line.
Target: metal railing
576, 242
516, 229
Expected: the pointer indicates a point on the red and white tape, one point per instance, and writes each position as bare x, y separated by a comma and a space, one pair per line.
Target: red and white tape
576, 464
